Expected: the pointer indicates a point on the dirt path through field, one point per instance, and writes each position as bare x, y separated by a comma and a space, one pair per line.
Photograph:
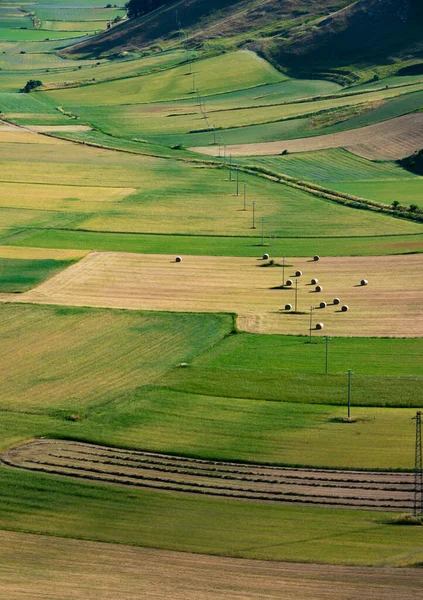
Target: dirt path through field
346, 489
390, 305
390, 140
49, 568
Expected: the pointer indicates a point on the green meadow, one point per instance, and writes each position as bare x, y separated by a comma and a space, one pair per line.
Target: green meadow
339, 170
20, 275
49, 237
204, 525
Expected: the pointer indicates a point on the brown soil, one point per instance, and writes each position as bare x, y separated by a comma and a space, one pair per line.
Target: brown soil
348, 489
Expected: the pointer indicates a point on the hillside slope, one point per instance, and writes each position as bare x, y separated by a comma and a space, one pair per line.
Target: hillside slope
203, 20
367, 31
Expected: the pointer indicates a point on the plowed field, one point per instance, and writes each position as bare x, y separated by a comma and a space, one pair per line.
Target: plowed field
389, 306
351, 489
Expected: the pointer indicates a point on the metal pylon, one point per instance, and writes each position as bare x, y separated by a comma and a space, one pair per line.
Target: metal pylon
418, 468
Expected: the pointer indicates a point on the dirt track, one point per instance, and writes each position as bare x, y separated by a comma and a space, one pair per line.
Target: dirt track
347, 489
390, 140
49, 568
389, 306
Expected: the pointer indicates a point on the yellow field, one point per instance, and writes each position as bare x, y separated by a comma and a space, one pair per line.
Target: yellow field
36, 566
16, 135
40, 253
390, 140
59, 197
388, 306
53, 128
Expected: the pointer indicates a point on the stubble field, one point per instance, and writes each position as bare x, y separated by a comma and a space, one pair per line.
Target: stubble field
388, 306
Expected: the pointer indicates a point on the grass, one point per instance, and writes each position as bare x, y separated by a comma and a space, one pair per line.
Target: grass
46, 504
129, 115
344, 172
19, 35
289, 354
19, 275
213, 245
406, 191
332, 166
213, 75
170, 197
68, 358
292, 370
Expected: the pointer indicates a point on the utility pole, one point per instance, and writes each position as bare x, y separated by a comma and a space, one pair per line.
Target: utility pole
349, 373
418, 468
237, 181
245, 196
254, 215
230, 167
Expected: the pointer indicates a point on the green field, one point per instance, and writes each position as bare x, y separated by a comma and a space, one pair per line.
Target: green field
339, 170
117, 371
294, 371
34, 35
205, 525
210, 245
71, 358
19, 275
152, 195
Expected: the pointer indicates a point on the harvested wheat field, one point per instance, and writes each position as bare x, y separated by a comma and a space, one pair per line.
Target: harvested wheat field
36, 566
390, 140
390, 305
343, 489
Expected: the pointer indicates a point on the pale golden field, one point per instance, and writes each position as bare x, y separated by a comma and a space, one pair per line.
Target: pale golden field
389, 140
36, 566
63, 198
40, 253
389, 306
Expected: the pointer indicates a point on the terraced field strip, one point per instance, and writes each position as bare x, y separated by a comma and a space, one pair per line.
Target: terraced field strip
351, 489
390, 140
389, 306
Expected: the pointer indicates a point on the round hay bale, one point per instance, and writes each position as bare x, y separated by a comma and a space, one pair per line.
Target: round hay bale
316, 257
345, 308
298, 273
288, 306
319, 325
323, 305
314, 281
178, 259
364, 282
318, 288
266, 256
289, 282
336, 301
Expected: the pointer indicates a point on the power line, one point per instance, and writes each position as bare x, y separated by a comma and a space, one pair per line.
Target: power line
418, 468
